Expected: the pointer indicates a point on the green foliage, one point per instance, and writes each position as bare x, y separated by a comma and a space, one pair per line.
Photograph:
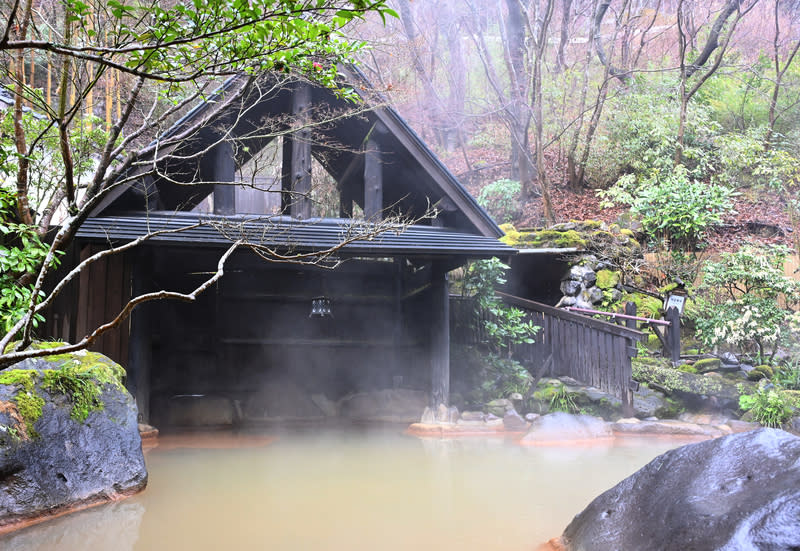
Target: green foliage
501, 199
21, 252
639, 146
505, 326
673, 207
744, 300
500, 377
788, 376
768, 407
562, 400
744, 162
29, 404
181, 40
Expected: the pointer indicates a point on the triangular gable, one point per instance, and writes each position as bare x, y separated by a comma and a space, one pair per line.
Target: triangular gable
413, 178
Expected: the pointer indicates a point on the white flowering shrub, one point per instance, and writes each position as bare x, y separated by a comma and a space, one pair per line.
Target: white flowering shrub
746, 301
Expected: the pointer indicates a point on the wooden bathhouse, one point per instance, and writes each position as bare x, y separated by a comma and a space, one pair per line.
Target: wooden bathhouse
371, 313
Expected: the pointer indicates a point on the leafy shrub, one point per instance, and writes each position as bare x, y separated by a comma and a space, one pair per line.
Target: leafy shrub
639, 146
788, 376
673, 207
743, 161
744, 300
505, 325
562, 400
501, 199
768, 406
21, 251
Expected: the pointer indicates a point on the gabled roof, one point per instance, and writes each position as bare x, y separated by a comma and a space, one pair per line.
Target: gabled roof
413, 177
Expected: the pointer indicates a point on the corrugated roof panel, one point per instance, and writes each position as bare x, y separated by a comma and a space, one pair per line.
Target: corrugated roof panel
287, 234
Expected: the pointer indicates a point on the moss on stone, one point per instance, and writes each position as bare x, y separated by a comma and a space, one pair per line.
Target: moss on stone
607, 279
766, 370
687, 368
673, 380
29, 403
627, 233
80, 376
707, 364
646, 306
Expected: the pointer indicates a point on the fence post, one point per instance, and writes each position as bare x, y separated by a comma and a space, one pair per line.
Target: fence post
630, 310
673, 316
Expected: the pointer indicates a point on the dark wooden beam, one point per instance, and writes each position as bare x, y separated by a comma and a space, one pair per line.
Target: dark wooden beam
224, 170
140, 348
440, 337
300, 201
373, 181
286, 174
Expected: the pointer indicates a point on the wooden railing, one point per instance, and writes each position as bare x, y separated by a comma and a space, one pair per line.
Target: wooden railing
591, 351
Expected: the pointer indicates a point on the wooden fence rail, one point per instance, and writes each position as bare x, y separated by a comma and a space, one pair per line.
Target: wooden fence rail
591, 351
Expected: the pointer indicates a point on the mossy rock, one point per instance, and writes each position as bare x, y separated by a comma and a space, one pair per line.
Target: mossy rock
78, 376
607, 279
705, 365
692, 389
766, 370
687, 368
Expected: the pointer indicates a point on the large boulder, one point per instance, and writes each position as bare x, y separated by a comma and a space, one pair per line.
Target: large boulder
734, 493
68, 437
565, 428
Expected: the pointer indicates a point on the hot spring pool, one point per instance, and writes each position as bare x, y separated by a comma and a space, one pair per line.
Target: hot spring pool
371, 490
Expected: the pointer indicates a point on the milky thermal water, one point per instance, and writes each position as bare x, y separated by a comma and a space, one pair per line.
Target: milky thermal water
347, 491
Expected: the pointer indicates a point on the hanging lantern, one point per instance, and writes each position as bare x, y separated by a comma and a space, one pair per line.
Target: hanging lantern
320, 307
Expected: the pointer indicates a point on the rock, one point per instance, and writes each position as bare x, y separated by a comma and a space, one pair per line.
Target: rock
706, 365
566, 301
667, 427
515, 397
737, 492
325, 404
570, 287
729, 358
446, 414
564, 427
793, 425
703, 418
499, 407
578, 273
392, 405
428, 417
62, 450
649, 403
593, 295
513, 422
473, 416
589, 279
531, 416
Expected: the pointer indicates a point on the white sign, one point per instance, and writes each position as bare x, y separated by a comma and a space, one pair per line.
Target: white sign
675, 301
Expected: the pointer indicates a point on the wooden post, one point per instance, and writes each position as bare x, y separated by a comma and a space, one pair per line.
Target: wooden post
440, 337
300, 168
224, 170
673, 316
140, 348
627, 402
373, 181
286, 174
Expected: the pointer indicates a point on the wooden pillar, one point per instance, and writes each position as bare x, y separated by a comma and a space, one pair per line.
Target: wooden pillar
440, 337
373, 181
224, 170
296, 172
140, 348
673, 316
